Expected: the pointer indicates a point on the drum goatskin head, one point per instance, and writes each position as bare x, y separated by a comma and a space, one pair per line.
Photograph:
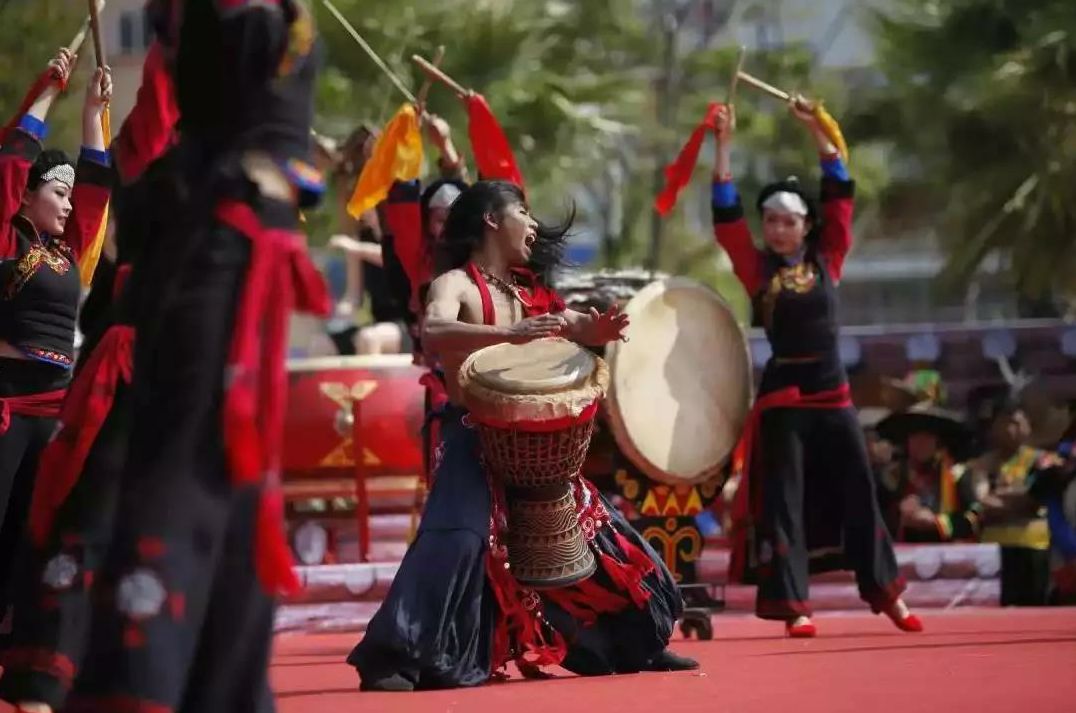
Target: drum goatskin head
681, 386
538, 367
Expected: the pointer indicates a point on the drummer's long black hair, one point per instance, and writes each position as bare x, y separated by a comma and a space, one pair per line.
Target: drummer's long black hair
466, 224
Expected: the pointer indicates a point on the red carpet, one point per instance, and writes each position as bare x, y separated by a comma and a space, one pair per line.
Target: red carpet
978, 660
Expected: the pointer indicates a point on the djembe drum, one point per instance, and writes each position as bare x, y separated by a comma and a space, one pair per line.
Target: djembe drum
534, 406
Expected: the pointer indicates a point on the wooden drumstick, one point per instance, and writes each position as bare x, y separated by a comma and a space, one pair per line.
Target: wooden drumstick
435, 73
80, 37
768, 88
772, 90
424, 90
95, 27
731, 96
741, 55
350, 29
76, 43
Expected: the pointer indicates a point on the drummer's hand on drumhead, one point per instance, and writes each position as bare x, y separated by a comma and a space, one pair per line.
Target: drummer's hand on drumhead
544, 325
608, 326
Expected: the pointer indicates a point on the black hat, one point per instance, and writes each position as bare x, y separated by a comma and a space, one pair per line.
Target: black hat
947, 425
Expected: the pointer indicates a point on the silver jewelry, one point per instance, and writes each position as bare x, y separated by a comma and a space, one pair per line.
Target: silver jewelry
61, 173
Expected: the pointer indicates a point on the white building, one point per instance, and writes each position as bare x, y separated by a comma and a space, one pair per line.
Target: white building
126, 36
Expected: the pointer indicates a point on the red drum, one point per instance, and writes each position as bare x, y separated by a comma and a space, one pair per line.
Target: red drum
318, 425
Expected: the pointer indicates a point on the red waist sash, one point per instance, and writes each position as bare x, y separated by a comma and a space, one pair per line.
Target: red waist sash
281, 278
45, 404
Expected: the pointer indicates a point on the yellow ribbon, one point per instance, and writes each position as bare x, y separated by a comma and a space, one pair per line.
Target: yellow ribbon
87, 263
397, 156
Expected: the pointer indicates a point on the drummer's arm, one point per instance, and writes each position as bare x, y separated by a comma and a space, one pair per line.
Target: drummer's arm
730, 228
837, 192
443, 332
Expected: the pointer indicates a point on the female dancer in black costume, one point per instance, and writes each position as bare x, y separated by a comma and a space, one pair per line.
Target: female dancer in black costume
807, 501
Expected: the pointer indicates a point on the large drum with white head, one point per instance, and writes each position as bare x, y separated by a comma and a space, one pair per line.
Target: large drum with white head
680, 390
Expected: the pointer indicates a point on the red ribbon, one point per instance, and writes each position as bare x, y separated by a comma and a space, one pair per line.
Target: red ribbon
492, 152
746, 507
678, 173
89, 401
281, 278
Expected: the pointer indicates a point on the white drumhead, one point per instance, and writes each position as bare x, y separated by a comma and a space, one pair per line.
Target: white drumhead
681, 386
540, 367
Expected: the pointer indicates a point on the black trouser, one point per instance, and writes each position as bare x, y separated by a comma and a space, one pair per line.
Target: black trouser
52, 596
1025, 576
181, 621
818, 503
20, 448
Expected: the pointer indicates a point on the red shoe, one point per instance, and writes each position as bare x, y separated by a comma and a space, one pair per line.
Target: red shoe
804, 629
910, 623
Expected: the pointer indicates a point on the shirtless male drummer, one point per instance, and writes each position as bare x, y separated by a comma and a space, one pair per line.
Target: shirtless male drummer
446, 617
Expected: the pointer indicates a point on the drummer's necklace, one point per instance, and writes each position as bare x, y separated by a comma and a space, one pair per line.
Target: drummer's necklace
510, 289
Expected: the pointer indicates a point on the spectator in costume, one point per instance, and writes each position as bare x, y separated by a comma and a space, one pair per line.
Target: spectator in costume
929, 496
1012, 518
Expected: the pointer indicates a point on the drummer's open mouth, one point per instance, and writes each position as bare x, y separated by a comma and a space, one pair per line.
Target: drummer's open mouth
529, 239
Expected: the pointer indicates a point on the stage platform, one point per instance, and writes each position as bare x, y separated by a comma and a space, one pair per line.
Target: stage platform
986, 660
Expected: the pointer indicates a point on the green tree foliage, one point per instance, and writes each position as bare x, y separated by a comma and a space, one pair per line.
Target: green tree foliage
980, 108
585, 90
590, 104
30, 32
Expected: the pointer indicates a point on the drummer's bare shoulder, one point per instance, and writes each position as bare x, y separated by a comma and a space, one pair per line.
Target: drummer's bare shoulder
451, 286
453, 296
454, 319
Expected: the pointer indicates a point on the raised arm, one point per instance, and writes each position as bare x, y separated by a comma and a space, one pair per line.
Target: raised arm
450, 163
730, 228
443, 332
22, 145
93, 174
837, 200
837, 191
